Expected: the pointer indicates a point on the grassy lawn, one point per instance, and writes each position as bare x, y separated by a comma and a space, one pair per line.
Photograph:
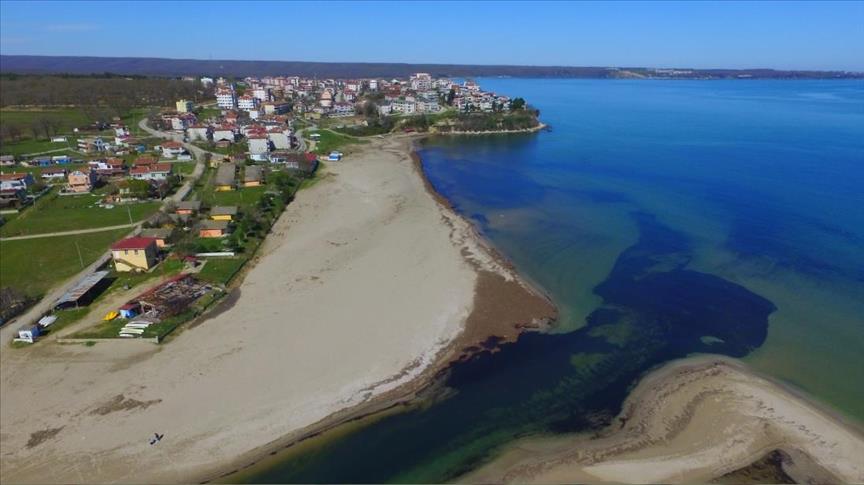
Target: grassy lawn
330, 140
55, 213
206, 113
220, 270
183, 168
34, 265
244, 196
30, 146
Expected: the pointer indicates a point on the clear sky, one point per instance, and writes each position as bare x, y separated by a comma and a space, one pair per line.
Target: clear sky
782, 35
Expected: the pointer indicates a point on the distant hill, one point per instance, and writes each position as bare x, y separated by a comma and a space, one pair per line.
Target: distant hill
160, 67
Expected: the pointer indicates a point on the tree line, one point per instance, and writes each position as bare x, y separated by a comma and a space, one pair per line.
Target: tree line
121, 93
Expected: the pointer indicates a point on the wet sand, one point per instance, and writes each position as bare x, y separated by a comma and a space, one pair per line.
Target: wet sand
693, 421
367, 289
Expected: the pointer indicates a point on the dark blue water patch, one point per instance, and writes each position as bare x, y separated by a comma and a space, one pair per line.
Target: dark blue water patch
653, 311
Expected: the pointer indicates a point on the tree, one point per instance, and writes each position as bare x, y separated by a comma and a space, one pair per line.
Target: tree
517, 104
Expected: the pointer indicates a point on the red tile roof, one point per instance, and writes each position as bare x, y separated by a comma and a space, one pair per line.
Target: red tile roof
133, 243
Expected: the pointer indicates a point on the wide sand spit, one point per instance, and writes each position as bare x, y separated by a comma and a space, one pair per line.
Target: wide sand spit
368, 287
692, 421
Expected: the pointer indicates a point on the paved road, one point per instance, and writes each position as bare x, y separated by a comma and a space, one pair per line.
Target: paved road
44, 305
69, 233
198, 153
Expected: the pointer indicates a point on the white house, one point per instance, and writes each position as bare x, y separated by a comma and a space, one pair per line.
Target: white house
281, 140
156, 171
223, 134
197, 132
258, 144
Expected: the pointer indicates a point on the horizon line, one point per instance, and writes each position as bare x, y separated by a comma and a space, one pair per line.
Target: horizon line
444, 64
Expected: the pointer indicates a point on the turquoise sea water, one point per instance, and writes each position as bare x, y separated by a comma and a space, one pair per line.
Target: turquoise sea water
665, 218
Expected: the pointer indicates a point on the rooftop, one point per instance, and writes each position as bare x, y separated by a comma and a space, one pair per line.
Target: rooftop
137, 242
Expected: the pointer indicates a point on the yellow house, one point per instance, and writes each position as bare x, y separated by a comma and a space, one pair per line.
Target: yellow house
223, 213
184, 106
134, 254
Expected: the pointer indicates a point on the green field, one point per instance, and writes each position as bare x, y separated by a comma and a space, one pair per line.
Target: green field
183, 168
55, 213
32, 266
241, 197
221, 270
330, 140
68, 118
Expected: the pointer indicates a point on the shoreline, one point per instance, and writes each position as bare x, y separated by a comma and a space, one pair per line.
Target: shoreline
540, 127
487, 327
459, 292
693, 420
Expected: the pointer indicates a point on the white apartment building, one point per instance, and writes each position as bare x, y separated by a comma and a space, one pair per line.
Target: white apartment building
247, 102
226, 98
261, 93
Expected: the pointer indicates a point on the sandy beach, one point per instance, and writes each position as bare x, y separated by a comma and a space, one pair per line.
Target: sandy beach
693, 421
366, 289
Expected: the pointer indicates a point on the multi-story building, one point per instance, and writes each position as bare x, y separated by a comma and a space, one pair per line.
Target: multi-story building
247, 102
80, 182
421, 81
226, 98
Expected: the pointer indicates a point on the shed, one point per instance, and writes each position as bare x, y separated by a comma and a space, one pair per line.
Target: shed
83, 291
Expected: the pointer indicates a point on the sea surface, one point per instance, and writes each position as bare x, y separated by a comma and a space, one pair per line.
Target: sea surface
665, 218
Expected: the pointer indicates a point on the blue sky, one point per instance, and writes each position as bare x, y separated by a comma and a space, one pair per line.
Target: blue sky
783, 35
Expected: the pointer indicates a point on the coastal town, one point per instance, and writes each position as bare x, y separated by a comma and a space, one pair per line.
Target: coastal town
193, 188
231, 215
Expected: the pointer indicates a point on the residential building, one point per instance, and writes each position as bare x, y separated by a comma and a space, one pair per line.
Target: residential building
226, 98
54, 174
188, 207
16, 181
184, 106
247, 102
225, 177
134, 254
12, 197
211, 229
156, 171
80, 182
258, 144
223, 133
197, 132
253, 176
279, 139
94, 144
162, 235
170, 149
223, 213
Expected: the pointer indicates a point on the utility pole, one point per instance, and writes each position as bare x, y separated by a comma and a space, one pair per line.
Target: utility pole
80, 259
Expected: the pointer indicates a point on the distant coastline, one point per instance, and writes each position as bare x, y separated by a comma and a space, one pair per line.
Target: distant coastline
165, 67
